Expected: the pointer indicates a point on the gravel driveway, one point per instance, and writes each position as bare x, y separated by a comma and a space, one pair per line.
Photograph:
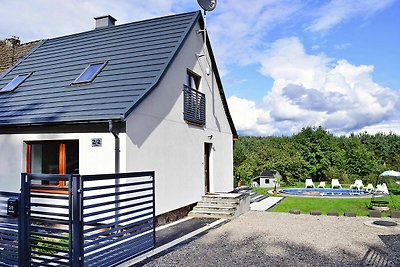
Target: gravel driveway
282, 239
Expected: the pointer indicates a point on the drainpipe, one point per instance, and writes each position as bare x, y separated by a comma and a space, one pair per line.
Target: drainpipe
117, 147
117, 162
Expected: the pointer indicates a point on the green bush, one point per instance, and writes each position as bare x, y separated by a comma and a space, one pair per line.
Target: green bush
50, 245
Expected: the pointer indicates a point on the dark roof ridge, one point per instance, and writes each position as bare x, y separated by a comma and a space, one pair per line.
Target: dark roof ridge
123, 25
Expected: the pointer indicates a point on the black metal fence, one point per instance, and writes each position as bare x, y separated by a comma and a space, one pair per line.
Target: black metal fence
8, 232
92, 220
118, 217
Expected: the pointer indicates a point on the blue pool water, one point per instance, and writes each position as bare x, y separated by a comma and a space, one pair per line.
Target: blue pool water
324, 192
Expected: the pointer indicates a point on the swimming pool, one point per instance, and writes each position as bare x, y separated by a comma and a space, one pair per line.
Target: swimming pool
324, 192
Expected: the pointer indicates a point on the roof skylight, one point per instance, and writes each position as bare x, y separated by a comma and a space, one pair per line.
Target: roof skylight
90, 73
14, 83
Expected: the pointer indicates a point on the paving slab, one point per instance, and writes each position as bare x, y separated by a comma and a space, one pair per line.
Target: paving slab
265, 204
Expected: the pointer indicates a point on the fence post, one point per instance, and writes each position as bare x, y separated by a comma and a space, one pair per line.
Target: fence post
154, 208
77, 221
24, 252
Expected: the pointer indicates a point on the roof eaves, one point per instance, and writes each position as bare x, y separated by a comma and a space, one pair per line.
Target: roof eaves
3, 74
193, 22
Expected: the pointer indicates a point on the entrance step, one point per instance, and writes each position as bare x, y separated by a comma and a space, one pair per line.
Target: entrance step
221, 205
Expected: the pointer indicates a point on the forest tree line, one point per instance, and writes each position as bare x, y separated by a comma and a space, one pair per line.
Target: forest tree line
315, 153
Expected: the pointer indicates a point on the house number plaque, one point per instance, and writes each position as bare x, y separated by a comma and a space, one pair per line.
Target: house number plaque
96, 142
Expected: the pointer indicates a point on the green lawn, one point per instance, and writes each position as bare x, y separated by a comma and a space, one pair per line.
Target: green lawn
308, 204
356, 205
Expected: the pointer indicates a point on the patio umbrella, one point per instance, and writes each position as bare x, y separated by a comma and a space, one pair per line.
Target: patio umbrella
390, 173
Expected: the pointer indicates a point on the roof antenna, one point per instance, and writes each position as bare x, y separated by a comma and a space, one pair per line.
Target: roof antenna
206, 5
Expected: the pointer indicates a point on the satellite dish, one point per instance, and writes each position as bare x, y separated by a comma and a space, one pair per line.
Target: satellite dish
207, 5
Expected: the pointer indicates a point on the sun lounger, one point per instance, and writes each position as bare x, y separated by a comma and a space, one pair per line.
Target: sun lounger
309, 183
321, 185
382, 188
385, 189
379, 188
336, 184
369, 188
358, 184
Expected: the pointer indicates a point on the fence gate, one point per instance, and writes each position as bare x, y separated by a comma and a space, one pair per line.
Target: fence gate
46, 221
8, 231
74, 220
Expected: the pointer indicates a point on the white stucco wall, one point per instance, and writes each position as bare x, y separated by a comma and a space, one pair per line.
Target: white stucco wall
159, 139
92, 160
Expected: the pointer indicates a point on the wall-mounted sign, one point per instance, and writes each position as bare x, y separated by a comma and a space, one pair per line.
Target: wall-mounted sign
96, 142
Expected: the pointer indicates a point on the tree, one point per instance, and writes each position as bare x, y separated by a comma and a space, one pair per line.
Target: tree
317, 147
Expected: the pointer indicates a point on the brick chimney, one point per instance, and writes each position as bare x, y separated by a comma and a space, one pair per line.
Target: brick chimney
11, 50
105, 21
13, 42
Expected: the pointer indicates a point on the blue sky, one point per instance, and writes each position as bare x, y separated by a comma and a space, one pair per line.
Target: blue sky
284, 64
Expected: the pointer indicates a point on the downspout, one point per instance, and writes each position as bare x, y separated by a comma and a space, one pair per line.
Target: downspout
117, 146
117, 170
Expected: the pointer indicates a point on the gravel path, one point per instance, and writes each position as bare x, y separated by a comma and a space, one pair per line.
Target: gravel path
282, 239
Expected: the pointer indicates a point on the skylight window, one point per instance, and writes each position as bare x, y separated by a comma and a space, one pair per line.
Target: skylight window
14, 83
90, 73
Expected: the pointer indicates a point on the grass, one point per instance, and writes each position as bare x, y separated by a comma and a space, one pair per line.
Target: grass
307, 204
357, 205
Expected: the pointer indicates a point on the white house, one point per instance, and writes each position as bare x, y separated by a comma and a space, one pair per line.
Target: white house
141, 96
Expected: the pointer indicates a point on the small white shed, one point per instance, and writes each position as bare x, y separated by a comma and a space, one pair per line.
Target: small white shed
266, 179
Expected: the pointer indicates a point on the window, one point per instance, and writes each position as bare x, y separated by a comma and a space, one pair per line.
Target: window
90, 73
14, 83
192, 80
194, 110
53, 157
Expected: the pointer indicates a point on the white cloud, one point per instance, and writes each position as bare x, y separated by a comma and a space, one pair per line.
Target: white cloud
249, 119
337, 11
238, 30
342, 46
383, 127
287, 60
313, 90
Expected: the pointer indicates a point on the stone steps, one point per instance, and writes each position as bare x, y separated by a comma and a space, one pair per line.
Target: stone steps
224, 205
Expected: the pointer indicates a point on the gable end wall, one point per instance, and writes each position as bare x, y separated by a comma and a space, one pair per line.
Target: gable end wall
159, 139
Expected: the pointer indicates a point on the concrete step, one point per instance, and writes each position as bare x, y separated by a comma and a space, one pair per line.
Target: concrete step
215, 214
208, 199
217, 204
214, 208
255, 197
258, 199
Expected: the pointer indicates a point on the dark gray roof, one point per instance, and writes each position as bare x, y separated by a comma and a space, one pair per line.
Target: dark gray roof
138, 54
266, 173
